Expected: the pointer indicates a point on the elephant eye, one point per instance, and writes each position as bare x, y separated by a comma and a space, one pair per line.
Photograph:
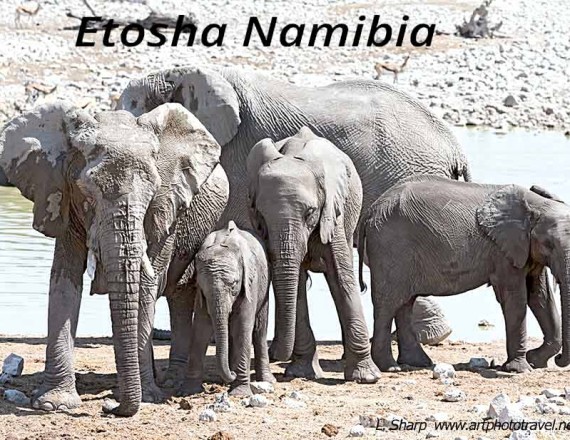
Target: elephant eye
310, 215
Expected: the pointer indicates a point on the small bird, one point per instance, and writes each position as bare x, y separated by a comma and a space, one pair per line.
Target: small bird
380, 67
29, 10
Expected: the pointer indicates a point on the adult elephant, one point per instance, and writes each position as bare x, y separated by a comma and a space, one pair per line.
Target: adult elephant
387, 134
121, 197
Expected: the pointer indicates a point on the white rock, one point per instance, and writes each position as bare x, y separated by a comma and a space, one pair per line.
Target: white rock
564, 411
510, 413
438, 417
16, 397
432, 434
453, 395
222, 403
208, 415
369, 420
257, 401
551, 392
526, 402
294, 404
497, 405
547, 408
357, 431
296, 395
445, 371
262, 387
478, 363
13, 365
557, 401
522, 435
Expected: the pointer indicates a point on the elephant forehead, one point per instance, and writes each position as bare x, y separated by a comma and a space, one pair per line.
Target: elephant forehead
128, 140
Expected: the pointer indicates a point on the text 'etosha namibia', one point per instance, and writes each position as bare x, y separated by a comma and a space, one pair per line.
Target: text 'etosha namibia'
364, 32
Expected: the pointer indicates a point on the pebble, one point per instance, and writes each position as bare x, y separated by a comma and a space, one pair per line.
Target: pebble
357, 431
262, 387
498, 403
369, 420
551, 392
13, 365
257, 401
547, 408
16, 397
432, 434
208, 415
478, 363
443, 371
522, 435
560, 401
222, 403
296, 395
453, 395
510, 413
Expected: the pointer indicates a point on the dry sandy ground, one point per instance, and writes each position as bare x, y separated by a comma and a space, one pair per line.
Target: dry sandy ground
413, 395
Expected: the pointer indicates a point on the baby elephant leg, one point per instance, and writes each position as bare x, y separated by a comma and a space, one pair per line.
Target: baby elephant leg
260, 350
410, 351
240, 354
543, 306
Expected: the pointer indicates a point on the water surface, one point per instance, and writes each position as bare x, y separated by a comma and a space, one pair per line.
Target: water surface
518, 157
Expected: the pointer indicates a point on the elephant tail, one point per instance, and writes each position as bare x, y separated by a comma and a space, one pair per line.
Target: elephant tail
466, 173
462, 169
361, 253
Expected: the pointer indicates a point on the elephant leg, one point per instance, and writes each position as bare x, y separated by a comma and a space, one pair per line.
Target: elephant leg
340, 278
384, 313
58, 388
513, 299
151, 392
305, 361
542, 304
241, 330
202, 331
181, 307
260, 350
410, 351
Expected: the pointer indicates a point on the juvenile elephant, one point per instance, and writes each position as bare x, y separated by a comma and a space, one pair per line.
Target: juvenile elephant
434, 236
233, 292
119, 194
305, 197
387, 134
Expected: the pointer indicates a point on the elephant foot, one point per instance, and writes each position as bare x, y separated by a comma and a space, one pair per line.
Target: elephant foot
308, 368
190, 387
265, 376
174, 376
276, 353
415, 358
152, 393
518, 365
363, 371
386, 363
538, 357
240, 390
56, 399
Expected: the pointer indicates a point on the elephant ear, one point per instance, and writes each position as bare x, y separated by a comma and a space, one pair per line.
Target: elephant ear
210, 97
334, 177
33, 151
263, 152
182, 136
505, 217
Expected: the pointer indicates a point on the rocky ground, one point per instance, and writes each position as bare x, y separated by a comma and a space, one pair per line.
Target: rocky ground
297, 408
519, 80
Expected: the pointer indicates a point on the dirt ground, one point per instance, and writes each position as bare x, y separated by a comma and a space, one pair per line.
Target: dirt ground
413, 395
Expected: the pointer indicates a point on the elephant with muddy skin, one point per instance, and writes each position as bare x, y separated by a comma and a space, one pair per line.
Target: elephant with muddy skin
433, 236
387, 134
123, 197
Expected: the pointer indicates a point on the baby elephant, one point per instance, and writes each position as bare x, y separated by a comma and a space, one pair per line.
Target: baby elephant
232, 300
434, 236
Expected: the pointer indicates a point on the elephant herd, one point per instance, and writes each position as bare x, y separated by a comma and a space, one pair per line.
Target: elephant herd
206, 185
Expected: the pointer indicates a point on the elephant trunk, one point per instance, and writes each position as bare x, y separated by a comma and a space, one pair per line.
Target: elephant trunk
222, 316
121, 256
563, 359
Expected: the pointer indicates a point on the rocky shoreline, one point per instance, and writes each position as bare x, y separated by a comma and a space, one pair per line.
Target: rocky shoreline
519, 80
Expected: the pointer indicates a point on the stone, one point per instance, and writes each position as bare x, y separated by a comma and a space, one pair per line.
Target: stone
5, 378
432, 434
438, 417
13, 365
369, 420
479, 409
445, 371
564, 411
221, 435
329, 430
16, 397
510, 413
222, 403
262, 387
478, 363
208, 415
498, 403
257, 401
296, 395
551, 392
526, 402
547, 408
390, 420
510, 101
453, 395
522, 435
560, 401
185, 404
357, 431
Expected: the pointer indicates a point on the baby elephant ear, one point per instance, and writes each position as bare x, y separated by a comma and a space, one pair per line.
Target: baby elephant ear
33, 149
182, 137
506, 218
261, 153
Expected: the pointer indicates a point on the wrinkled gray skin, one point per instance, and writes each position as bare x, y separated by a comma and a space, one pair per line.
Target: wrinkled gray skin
433, 236
305, 197
387, 134
232, 303
114, 191
428, 322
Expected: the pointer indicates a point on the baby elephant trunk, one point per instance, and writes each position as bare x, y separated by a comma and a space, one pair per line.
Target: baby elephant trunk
221, 331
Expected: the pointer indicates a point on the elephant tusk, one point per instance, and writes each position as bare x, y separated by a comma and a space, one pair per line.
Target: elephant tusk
91, 264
